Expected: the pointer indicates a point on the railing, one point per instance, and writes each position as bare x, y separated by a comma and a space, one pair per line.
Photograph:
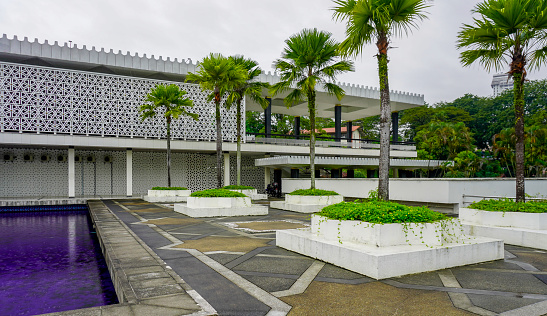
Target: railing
321, 141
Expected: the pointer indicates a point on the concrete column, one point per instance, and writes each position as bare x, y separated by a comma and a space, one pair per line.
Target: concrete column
268, 118
129, 171
226, 169
297, 126
351, 173
395, 126
337, 122
267, 179
71, 173
395, 172
349, 132
295, 173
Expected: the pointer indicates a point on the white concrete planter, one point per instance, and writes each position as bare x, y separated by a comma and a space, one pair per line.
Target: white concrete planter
220, 206
313, 200
167, 196
253, 194
430, 234
164, 193
306, 203
515, 228
218, 202
535, 221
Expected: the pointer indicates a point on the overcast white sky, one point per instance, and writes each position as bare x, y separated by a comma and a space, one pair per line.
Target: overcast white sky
425, 62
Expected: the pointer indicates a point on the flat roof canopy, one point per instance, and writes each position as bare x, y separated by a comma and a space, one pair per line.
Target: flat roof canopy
345, 162
358, 102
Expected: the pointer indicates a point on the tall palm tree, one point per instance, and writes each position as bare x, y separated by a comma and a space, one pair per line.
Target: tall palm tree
369, 21
514, 32
310, 59
169, 100
218, 75
251, 88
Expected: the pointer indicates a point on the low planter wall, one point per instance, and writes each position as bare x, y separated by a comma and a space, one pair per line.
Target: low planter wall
247, 192
165, 193
218, 202
313, 200
534, 221
430, 234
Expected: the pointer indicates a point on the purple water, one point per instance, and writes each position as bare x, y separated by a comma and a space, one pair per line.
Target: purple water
51, 262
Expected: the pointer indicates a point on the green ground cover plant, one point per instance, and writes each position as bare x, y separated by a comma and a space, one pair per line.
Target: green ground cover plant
217, 193
238, 187
381, 212
169, 188
508, 205
315, 192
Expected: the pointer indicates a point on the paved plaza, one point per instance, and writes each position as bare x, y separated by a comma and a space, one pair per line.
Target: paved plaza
234, 265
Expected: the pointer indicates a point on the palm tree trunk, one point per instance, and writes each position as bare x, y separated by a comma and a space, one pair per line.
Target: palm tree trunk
169, 151
219, 139
311, 108
518, 86
238, 154
385, 119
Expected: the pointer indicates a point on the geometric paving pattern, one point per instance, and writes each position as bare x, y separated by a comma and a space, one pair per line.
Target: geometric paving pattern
280, 280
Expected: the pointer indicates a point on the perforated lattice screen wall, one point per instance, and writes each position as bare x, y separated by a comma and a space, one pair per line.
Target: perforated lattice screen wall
48, 100
50, 178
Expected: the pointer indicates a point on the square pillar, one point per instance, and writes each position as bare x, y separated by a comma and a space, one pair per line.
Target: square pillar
351, 173
267, 179
268, 118
337, 122
395, 126
71, 172
349, 132
226, 168
297, 126
129, 171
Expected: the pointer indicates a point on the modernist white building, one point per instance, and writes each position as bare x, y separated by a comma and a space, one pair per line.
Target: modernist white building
69, 125
500, 83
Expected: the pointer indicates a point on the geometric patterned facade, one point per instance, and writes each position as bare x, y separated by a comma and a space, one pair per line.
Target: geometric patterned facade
50, 178
51, 100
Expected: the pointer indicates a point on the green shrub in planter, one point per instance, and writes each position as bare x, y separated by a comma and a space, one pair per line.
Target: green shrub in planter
238, 187
314, 192
381, 212
169, 188
508, 205
217, 193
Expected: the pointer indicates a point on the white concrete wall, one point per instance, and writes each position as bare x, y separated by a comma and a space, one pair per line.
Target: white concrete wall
423, 190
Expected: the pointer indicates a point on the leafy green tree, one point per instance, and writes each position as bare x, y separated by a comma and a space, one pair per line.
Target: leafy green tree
251, 88
416, 118
218, 75
504, 148
254, 122
514, 31
169, 101
310, 59
377, 21
441, 140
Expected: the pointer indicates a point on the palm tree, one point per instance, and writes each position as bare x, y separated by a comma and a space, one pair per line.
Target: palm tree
219, 75
369, 21
310, 59
170, 100
514, 32
251, 88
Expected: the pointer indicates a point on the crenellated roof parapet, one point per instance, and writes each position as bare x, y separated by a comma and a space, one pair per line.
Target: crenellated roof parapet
94, 56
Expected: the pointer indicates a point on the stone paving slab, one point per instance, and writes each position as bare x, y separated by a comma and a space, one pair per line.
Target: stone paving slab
238, 272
